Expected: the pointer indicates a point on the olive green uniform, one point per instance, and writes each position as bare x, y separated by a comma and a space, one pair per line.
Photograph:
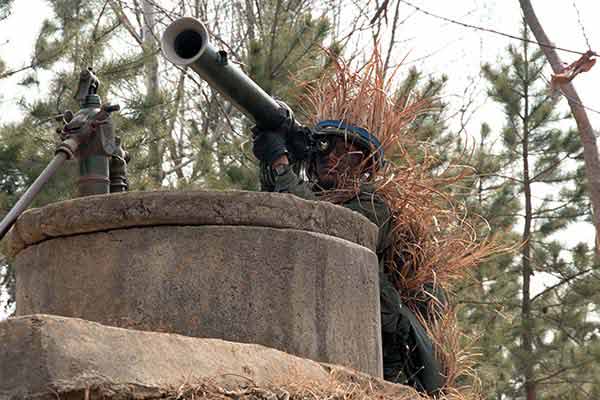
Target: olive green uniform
408, 355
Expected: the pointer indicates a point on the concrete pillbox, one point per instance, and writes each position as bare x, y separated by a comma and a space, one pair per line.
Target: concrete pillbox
251, 267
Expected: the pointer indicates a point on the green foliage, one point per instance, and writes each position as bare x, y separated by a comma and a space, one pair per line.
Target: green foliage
530, 187
65, 45
428, 128
25, 150
285, 53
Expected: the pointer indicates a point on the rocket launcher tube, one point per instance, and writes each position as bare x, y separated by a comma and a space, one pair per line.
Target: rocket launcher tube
185, 42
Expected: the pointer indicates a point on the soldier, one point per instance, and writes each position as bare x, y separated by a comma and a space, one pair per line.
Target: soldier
341, 169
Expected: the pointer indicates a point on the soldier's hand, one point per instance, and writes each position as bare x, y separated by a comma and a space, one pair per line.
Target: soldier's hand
299, 142
268, 146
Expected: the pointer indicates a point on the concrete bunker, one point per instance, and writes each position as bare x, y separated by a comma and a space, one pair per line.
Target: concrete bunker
264, 268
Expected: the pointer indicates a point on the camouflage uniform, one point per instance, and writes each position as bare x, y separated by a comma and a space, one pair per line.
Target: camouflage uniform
408, 355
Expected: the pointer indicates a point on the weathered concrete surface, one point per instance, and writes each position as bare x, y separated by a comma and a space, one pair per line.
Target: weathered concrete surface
42, 357
134, 209
300, 291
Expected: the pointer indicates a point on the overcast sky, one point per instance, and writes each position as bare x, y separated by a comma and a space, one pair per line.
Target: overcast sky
433, 45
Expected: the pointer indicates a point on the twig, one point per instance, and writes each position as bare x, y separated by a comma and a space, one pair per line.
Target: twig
490, 30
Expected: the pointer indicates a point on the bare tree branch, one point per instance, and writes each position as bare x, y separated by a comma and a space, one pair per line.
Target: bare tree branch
586, 132
117, 7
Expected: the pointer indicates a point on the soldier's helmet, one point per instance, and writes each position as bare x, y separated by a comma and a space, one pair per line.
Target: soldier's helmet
325, 131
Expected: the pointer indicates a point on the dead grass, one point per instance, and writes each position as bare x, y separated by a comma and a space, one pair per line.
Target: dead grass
339, 391
289, 392
435, 236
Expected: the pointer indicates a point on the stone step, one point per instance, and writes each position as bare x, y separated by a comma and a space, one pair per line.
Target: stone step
50, 357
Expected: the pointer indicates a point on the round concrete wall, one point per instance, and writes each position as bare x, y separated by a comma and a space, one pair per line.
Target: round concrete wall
264, 268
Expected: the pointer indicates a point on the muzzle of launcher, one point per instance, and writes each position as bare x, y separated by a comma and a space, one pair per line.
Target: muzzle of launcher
185, 42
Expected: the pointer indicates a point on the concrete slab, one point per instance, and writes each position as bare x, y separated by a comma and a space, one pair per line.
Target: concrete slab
50, 357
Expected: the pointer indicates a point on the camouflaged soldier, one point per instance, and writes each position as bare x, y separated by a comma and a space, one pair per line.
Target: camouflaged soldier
344, 155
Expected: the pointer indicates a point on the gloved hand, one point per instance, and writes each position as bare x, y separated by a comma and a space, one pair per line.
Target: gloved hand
268, 146
299, 142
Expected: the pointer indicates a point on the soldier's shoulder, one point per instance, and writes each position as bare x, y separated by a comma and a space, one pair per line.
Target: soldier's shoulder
371, 205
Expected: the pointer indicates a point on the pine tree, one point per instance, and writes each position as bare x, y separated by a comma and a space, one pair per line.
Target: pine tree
428, 127
152, 109
535, 344
486, 297
69, 41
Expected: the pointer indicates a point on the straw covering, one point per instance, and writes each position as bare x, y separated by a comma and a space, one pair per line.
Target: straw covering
435, 241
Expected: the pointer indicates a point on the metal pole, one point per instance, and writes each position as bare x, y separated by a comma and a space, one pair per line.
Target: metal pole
30, 194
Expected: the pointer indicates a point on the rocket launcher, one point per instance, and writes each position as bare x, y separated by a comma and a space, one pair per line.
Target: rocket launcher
185, 42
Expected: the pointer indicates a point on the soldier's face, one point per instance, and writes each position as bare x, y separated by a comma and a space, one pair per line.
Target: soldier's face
340, 161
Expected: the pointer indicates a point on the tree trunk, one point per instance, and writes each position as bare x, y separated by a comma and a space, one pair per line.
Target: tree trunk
251, 21
176, 156
526, 270
588, 139
152, 91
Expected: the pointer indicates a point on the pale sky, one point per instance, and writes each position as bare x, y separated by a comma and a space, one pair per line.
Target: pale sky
433, 45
